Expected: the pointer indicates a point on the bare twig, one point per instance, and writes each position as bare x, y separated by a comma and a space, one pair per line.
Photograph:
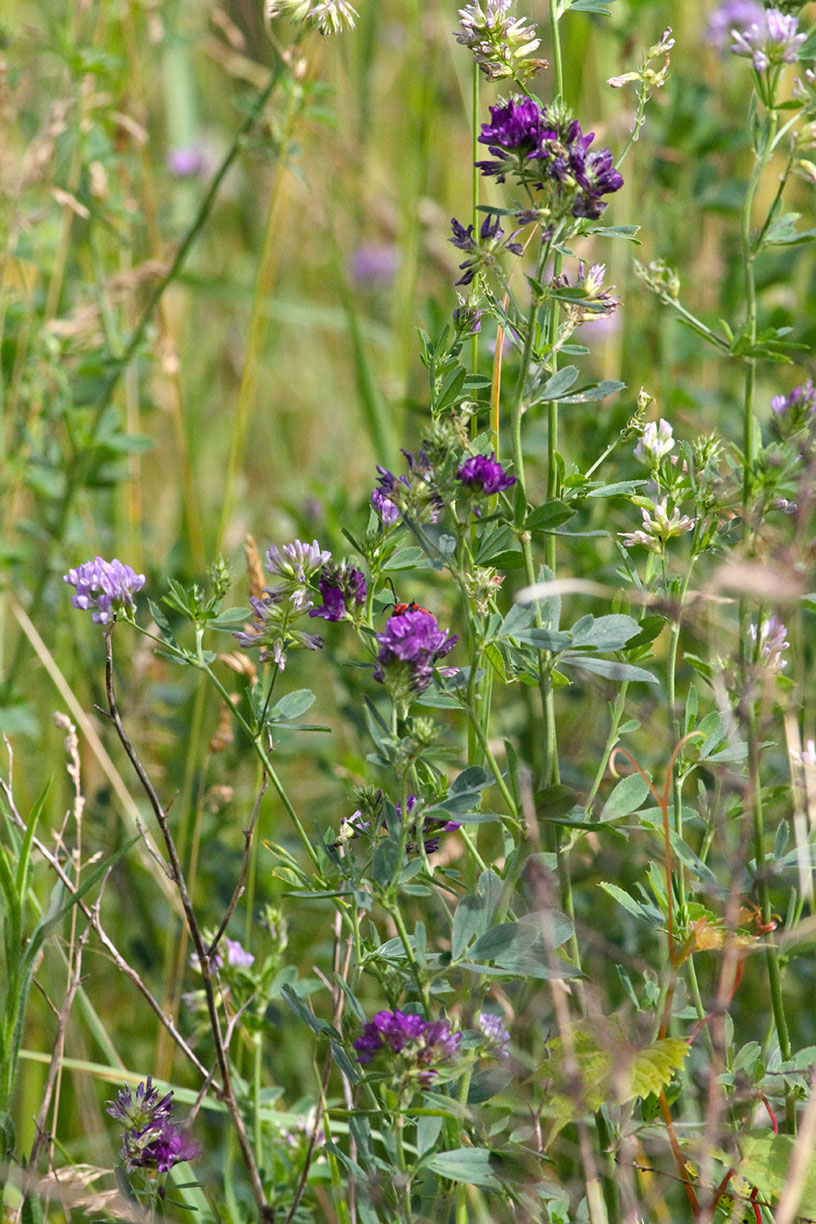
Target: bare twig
227, 1092
239, 887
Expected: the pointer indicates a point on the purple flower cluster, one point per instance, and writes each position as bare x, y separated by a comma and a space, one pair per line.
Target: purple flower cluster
343, 589
106, 586
432, 827
484, 475
152, 1140
544, 151
422, 1045
413, 641
481, 254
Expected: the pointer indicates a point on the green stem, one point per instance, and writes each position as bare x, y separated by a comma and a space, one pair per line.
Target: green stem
410, 956
771, 953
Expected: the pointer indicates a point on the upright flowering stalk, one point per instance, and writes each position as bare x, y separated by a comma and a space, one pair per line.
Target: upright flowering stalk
107, 587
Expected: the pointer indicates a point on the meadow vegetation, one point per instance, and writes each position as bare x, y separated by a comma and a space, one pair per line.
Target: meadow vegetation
407, 595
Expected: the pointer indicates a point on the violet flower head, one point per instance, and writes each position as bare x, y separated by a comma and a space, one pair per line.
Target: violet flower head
142, 1110
482, 252
412, 642
171, 1146
513, 136
772, 40
771, 638
387, 510
421, 1046
343, 588
152, 1140
484, 474
414, 493
106, 586
732, 14
432, 827
497, 1038
795, 410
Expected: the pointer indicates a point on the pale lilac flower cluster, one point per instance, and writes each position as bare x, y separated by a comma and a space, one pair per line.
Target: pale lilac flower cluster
501, 43
772, 40
771, 640
658, 528
655, 443
106, 586
598, 302
732, 14
152, 1140
278, 608
328, 16
421, 1046
187, 161
374, 263
497, 1038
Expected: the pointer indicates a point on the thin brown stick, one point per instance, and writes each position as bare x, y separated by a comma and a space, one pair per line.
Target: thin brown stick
239, 887
227, 1092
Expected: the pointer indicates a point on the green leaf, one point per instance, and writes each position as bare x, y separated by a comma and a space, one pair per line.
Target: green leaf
593, 392
552, 514
407, 557
623, 898
626, 797
653, 1067
469, 1165
621, 488
558, 385
502, 939
609, 668
427, 1132
230, 617
318, 1026
292, 705
604, 632
544, 639
766, 1164
467, 922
